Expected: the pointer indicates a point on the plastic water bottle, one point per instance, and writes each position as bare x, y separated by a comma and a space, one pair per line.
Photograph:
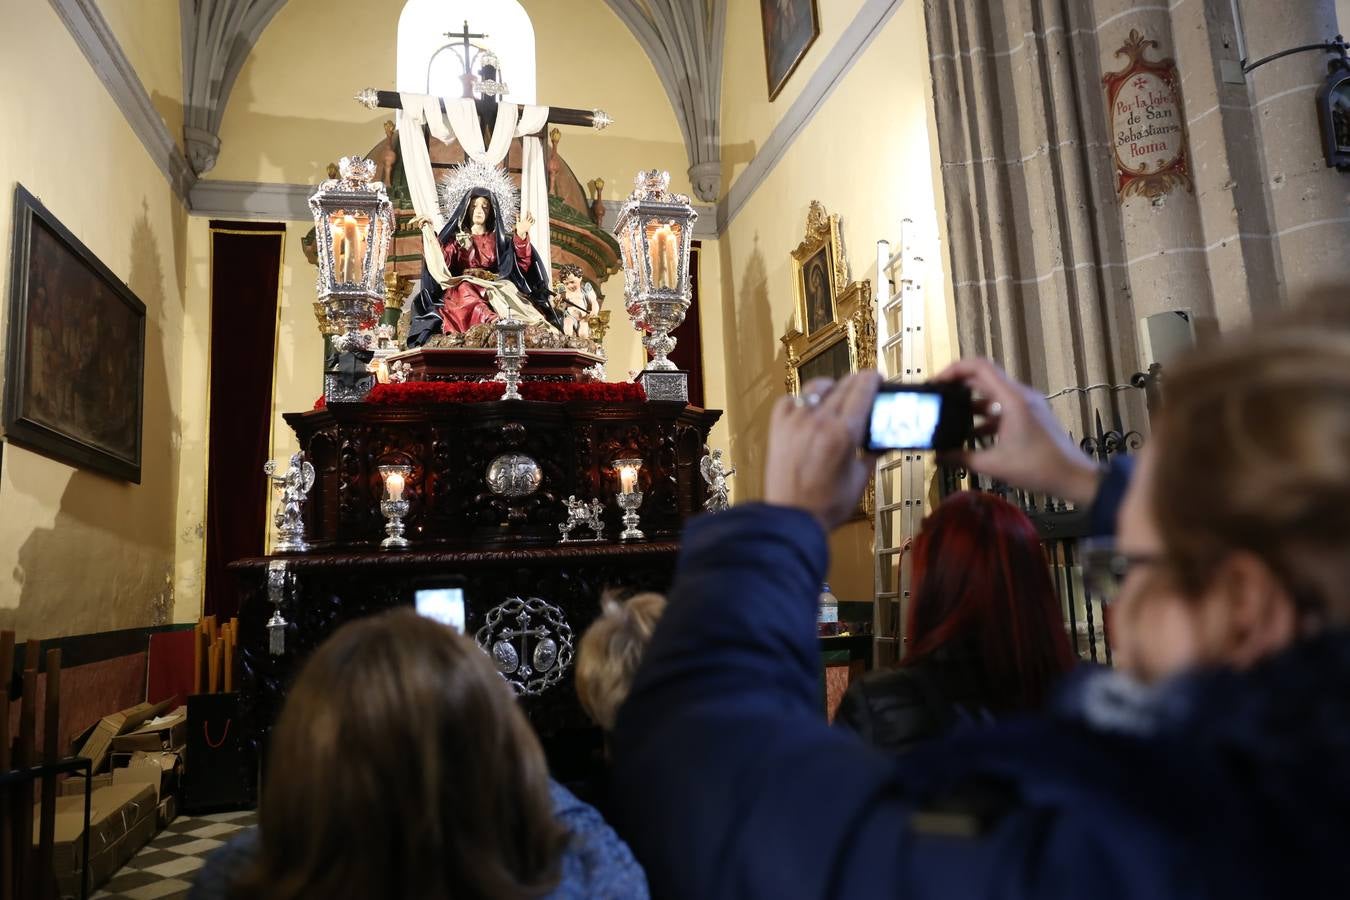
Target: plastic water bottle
828, 617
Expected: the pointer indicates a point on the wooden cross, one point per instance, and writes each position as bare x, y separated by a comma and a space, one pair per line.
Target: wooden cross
487, 106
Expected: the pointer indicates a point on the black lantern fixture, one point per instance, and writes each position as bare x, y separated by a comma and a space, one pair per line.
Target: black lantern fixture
1333, 109
1333, 98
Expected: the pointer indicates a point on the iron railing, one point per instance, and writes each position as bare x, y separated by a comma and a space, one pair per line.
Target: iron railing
1063, 527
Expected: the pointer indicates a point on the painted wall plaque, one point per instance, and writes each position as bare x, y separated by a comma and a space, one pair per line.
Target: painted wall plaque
1148, 125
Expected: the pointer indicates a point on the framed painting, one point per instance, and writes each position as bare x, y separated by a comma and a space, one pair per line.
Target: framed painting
819, 273
790, 28
74, 375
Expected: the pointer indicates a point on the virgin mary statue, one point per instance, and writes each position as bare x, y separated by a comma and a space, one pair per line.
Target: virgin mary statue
490, 270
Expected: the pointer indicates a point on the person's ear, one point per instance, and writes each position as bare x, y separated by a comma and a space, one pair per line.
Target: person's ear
1252, 614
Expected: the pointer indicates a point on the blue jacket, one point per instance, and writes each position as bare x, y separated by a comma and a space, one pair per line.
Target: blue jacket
596, 865
729, 784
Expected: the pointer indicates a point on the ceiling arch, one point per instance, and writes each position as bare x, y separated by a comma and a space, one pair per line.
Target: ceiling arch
683, 39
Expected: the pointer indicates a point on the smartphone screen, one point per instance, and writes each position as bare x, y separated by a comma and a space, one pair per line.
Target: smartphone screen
444, 605
919, 417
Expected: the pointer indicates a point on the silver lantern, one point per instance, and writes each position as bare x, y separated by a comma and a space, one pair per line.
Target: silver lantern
353, 226
654, 230
511, 355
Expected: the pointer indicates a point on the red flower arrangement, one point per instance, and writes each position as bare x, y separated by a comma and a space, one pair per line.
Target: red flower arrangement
416, 393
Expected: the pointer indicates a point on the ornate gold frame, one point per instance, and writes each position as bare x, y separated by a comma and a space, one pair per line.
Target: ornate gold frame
855, 316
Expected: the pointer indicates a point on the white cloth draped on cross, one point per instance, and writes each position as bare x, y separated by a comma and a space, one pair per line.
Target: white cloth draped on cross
459, 122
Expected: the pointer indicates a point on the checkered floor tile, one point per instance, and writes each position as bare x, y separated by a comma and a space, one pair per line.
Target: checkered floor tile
164, 868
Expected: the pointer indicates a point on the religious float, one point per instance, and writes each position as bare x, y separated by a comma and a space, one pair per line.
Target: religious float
468, 455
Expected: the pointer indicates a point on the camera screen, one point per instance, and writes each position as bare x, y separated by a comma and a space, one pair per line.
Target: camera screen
444, 605
905, 419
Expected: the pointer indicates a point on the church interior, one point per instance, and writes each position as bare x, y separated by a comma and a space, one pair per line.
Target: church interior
471, 306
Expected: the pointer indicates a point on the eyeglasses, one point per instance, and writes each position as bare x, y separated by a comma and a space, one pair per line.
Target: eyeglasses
1105, 568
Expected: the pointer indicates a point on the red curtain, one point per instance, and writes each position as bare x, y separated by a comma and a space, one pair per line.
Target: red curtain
245, 280
688, 352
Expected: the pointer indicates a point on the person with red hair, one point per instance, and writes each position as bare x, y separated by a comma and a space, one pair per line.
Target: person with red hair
985, 634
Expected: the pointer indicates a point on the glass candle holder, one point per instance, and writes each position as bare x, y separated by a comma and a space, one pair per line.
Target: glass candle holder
629, 497
394, 507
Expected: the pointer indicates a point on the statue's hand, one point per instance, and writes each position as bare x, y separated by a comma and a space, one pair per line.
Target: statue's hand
523, 224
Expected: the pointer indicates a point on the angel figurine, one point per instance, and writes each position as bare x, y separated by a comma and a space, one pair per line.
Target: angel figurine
577, 301
294, 484
716, 475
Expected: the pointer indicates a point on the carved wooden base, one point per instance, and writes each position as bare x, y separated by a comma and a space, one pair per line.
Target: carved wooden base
451, 446
331, 589
469, 364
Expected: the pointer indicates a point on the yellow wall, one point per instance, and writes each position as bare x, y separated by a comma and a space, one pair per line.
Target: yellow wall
291, 111
81, 552
747, 114
873, 167
151, 37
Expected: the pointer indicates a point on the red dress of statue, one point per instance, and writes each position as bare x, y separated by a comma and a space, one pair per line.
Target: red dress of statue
466, 304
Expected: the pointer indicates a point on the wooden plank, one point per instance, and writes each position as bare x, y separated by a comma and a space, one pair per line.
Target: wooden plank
23, 796
6, 806
51, 752
197, 658
230, 640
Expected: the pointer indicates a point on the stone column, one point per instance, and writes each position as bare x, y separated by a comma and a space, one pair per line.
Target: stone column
1309, 212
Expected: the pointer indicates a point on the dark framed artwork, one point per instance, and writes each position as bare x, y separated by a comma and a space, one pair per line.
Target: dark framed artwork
835, 362
74, 374
790, 28
818, 291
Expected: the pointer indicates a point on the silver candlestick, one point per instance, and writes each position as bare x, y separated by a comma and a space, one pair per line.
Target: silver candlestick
629, 503
394, 511
510, 355
294, 485
394, 507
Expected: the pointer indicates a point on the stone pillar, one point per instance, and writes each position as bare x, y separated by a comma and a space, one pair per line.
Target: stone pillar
1309, 221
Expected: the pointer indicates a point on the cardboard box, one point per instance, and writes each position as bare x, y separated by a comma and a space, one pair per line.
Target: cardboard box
122, 819
97, 741
160, 770
167, 732
73, 786
168, 811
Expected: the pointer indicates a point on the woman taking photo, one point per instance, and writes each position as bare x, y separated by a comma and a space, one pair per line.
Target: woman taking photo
985, 634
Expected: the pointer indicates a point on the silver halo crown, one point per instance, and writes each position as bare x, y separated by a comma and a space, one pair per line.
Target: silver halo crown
471, 174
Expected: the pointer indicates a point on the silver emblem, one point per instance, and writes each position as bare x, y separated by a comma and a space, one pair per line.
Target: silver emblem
530, 641
514, 475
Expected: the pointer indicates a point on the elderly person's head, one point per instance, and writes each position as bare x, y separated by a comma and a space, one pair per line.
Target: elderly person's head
1234, 538
610, 652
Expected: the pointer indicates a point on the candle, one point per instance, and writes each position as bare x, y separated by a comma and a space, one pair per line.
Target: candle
349, 240
394, 485
672, 266
358, 253
628, 479
339, 250
382, 372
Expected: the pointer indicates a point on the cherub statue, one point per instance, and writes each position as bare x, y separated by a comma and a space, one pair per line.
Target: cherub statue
719, 492
577, 301
579, 514
294, 484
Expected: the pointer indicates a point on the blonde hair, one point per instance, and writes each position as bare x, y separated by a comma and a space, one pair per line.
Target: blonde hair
1254, 455
610, 652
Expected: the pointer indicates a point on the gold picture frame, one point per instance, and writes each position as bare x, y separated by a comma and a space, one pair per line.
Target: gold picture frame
845, 344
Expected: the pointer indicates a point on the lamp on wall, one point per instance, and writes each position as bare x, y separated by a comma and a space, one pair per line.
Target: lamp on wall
1333, 98
1333, 109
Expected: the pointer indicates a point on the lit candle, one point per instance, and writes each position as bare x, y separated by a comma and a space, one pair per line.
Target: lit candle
339, 249
349, 239
628, 479
672, 264
359, 251
394, 485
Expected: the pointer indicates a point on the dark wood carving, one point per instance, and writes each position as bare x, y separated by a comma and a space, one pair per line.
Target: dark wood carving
451, 445
331, 589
